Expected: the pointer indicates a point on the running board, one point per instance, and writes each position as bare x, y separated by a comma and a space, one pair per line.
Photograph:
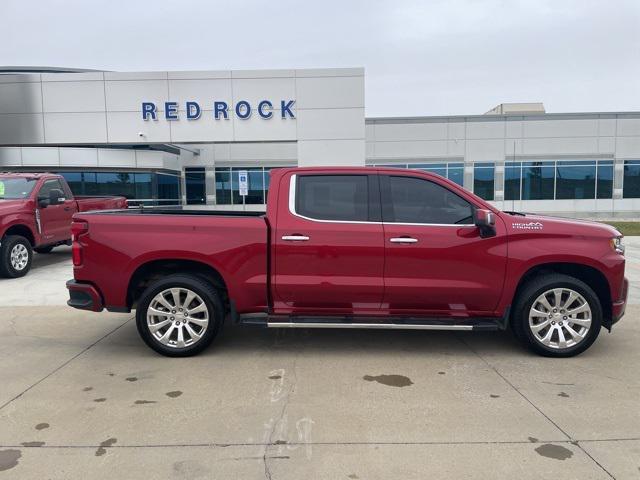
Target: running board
387, 323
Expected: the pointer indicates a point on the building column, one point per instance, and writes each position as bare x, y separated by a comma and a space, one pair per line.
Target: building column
210, 184
618, 178
498, 181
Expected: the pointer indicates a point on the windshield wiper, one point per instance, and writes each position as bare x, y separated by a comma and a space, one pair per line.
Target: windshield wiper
519, 214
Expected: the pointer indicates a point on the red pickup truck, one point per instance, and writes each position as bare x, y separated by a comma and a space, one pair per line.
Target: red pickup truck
35, 214
352, 248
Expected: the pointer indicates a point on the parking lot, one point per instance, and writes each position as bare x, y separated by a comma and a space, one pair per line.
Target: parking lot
82, 397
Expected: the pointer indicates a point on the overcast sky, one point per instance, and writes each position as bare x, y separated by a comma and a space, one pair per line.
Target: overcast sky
429, 57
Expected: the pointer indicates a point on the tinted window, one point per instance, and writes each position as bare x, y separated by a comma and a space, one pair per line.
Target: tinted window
483, 180
332, 197
48, 186
414, 200
604, 186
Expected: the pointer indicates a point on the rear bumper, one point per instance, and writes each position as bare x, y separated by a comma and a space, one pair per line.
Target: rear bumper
618, 308
84, 296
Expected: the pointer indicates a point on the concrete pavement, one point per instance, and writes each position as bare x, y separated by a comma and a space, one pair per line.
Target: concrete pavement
82, 397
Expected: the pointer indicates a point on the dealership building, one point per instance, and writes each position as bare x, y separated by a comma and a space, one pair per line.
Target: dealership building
164, 138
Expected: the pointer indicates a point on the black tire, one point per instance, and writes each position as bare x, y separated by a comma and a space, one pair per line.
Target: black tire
8, 244
43, 250
536, 287
204, 290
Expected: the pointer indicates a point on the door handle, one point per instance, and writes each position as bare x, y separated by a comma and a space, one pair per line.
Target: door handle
295, 238
66, 209
403, 240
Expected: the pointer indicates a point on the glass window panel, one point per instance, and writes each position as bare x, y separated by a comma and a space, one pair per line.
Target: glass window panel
428, 166
415, 200
393, 165
483, 181
90, 182
605, 180
576, 162
456, 174
223, 186
537, 181
74, 179
512, 183
195, 185
575, 181
168, 189
333, 197
113, 183
631, 185
143, 187
255, 194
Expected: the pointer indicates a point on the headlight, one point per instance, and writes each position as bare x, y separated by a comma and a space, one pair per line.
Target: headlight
616, 244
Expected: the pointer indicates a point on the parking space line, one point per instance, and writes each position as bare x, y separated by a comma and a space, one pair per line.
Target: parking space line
65, 363
508, 382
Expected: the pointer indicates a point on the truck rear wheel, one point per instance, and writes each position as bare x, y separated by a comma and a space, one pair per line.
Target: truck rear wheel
179, 315
15, 256
557, 315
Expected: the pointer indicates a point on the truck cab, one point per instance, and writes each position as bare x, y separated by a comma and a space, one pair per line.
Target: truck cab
36, 210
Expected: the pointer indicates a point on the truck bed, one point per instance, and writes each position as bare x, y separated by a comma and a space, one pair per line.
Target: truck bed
119, 243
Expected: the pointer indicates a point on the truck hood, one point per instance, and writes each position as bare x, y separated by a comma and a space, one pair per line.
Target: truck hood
527, 221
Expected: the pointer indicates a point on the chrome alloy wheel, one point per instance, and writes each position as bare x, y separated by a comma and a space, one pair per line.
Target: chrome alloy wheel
560, 318
177, 317
19, 257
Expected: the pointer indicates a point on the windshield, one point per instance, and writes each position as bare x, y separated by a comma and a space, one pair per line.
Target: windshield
14, 188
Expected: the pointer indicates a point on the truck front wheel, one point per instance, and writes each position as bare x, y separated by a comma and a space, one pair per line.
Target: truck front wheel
15, 256
179, 315
557, 315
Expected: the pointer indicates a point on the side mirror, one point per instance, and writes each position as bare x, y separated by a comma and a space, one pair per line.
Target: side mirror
485, 220
56, 196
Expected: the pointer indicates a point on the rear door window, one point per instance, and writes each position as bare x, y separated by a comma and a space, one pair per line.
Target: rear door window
333, 197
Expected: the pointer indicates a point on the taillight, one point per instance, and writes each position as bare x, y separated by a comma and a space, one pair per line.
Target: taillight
78, 228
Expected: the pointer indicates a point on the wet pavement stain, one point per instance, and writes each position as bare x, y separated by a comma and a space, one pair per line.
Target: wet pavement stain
174, 394
111, 374
556, 452
390, 380
144, 402
532, 439
275, 377
87, 389
563, 394
131, 379
441, 373
100, 400
280, 442
42, 426
494, 396
107, 443
32, 444
9, 459
353, 476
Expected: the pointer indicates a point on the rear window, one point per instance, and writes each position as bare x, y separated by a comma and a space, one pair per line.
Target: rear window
332, 197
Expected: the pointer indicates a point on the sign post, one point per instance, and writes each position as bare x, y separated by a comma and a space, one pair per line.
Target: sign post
243, 186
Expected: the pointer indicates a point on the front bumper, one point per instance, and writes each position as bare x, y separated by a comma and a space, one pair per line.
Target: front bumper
618, 308
84, 296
